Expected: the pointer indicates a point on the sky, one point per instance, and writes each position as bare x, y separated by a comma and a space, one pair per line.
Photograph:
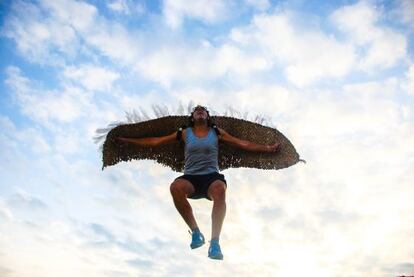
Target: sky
335, 77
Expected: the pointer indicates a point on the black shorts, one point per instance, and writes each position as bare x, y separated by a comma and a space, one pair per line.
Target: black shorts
201, 183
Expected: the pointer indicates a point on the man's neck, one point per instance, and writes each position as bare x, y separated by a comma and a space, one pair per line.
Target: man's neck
200, 125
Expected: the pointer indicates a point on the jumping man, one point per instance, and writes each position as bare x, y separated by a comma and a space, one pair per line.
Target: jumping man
201, 177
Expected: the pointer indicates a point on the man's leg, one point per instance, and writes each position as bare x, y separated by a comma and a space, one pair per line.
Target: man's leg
180, 189
217, 192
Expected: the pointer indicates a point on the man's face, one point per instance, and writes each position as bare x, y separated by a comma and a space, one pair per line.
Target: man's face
200, 113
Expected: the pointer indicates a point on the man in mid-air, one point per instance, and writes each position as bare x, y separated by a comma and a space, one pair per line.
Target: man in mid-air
201, 177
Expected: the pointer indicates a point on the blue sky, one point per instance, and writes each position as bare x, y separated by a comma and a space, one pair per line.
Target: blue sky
336, 77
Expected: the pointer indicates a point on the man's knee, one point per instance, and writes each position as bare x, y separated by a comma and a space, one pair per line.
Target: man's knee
217, 191
180, 188
175, 188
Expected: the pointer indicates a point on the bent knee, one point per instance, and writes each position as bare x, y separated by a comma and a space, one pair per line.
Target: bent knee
218, 191
180, 188
175, 188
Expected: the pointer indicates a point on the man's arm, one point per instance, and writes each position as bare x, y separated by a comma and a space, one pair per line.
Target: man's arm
151, 141
247, 145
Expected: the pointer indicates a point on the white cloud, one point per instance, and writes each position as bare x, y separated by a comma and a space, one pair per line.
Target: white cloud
116, 43
260, 5
355, 190
42, 106
318, 204
306, 55
197, 64
359, 18
5, 212
21, 146
382, 46
79, 15
175, 11
43, 38
92, 77
234, 60
408, 84
119, 6
55, 31
11, 158
407, 11
173, 61
355, 127
23, 199
108, 38
56, 248
126, 7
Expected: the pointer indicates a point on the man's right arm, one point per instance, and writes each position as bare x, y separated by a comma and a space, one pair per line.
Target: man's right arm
151, 141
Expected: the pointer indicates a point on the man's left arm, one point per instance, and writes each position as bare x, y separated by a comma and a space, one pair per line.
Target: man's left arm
247, 145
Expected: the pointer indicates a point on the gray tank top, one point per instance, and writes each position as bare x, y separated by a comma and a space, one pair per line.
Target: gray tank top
200, 154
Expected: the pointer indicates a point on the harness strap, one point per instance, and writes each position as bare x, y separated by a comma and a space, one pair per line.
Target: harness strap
180, 131
216, 129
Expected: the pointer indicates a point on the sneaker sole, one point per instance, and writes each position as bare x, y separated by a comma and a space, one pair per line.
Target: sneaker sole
196, 245
216, 257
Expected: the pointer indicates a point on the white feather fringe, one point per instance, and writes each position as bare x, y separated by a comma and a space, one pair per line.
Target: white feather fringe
140, 115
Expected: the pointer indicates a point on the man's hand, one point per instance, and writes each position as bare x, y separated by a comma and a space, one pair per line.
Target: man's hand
273, 148
248, 145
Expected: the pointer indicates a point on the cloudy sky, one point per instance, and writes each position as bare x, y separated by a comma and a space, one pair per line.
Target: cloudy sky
336, 77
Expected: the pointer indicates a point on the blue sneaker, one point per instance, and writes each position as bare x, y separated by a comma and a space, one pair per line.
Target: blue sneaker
197, 239
214, 252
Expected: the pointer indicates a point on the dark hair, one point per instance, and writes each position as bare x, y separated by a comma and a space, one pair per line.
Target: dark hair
190, 122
